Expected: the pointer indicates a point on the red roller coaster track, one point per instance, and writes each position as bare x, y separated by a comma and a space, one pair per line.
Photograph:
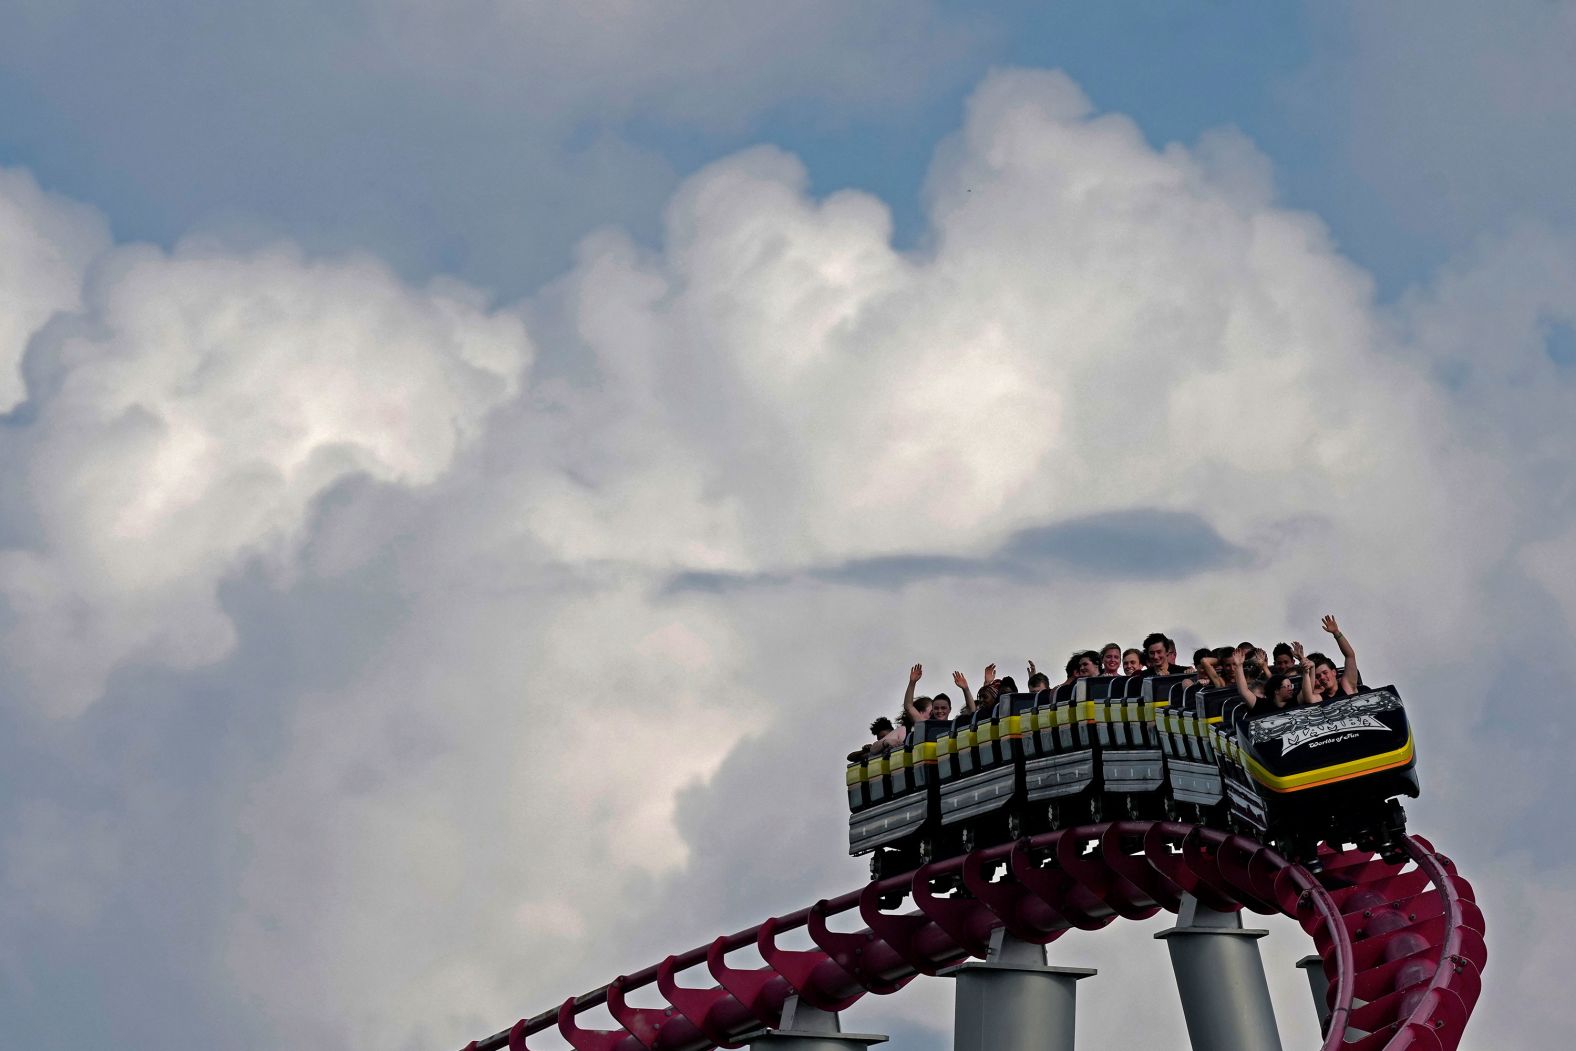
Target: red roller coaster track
1402, 944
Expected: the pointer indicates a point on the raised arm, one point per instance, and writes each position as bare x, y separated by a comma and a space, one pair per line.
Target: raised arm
1350, 677
987, 695
914, 675
1244, 691
1209, 667
968, 698
1309, 694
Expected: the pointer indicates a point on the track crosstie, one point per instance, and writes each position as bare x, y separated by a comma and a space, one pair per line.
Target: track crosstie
1402, 944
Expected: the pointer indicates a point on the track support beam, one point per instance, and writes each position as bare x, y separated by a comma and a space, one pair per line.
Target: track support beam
806, 1028
1319, 986
1220, 976
1013, 1001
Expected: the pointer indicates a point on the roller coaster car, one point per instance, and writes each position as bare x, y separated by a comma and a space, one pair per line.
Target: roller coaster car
1061, 765
1193, 765
983, 784
1332, 772
1129, 747
894, 800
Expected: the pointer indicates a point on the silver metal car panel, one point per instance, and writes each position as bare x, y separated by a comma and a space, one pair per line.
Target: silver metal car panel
977, 795
1195, 782
1059, 775
884, 824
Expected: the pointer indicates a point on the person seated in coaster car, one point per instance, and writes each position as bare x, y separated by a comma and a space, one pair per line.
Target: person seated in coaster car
1258, 695
1328, 682
1085, 664
886, 736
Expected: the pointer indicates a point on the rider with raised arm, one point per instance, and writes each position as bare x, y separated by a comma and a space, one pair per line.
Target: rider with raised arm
1245, 689
915, 712
1328, 682
990, 686
1257, 698
968, 697
1210, 668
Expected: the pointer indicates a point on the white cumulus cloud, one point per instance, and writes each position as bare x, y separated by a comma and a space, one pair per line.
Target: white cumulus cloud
184, 421
46, 243
623, 623
779, 404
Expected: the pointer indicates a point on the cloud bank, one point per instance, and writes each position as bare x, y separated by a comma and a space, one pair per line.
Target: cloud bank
467, 749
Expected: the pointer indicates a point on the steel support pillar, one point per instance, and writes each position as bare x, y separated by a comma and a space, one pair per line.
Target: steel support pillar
806, 1028
1225, 997
1319, 986
1013, 1001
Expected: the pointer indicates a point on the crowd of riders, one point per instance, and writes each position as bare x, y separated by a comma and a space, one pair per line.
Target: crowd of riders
1264, 682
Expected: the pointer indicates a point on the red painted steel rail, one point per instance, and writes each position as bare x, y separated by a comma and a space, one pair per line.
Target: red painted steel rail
1402, 944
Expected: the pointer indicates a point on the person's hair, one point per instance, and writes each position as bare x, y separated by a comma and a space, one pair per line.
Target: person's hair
1222, 653
1008, 684
1154, 637
1138, 652
1072, 664
938, 698
882, 726
985, 700
1108, 647
1272, 685
922, 704
1283, 649
1246, 646
1321, 661
906, 719
1039, 681
1253, 671
1199, 655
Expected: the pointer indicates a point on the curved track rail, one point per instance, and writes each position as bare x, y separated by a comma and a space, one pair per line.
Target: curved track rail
1402, 945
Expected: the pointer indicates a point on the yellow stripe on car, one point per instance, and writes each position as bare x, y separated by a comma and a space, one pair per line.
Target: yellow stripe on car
1330, 774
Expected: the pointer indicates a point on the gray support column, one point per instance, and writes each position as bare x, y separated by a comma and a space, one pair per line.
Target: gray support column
1225, 997
806, 1028
1013, 1001
1319, 986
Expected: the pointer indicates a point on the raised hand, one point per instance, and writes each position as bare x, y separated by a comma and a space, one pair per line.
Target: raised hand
959, 681
1296, 651
990, 674
1330, 625
915, 674
1031, 669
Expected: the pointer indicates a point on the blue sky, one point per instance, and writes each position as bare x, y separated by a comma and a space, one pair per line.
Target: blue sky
402, 402
279, 120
